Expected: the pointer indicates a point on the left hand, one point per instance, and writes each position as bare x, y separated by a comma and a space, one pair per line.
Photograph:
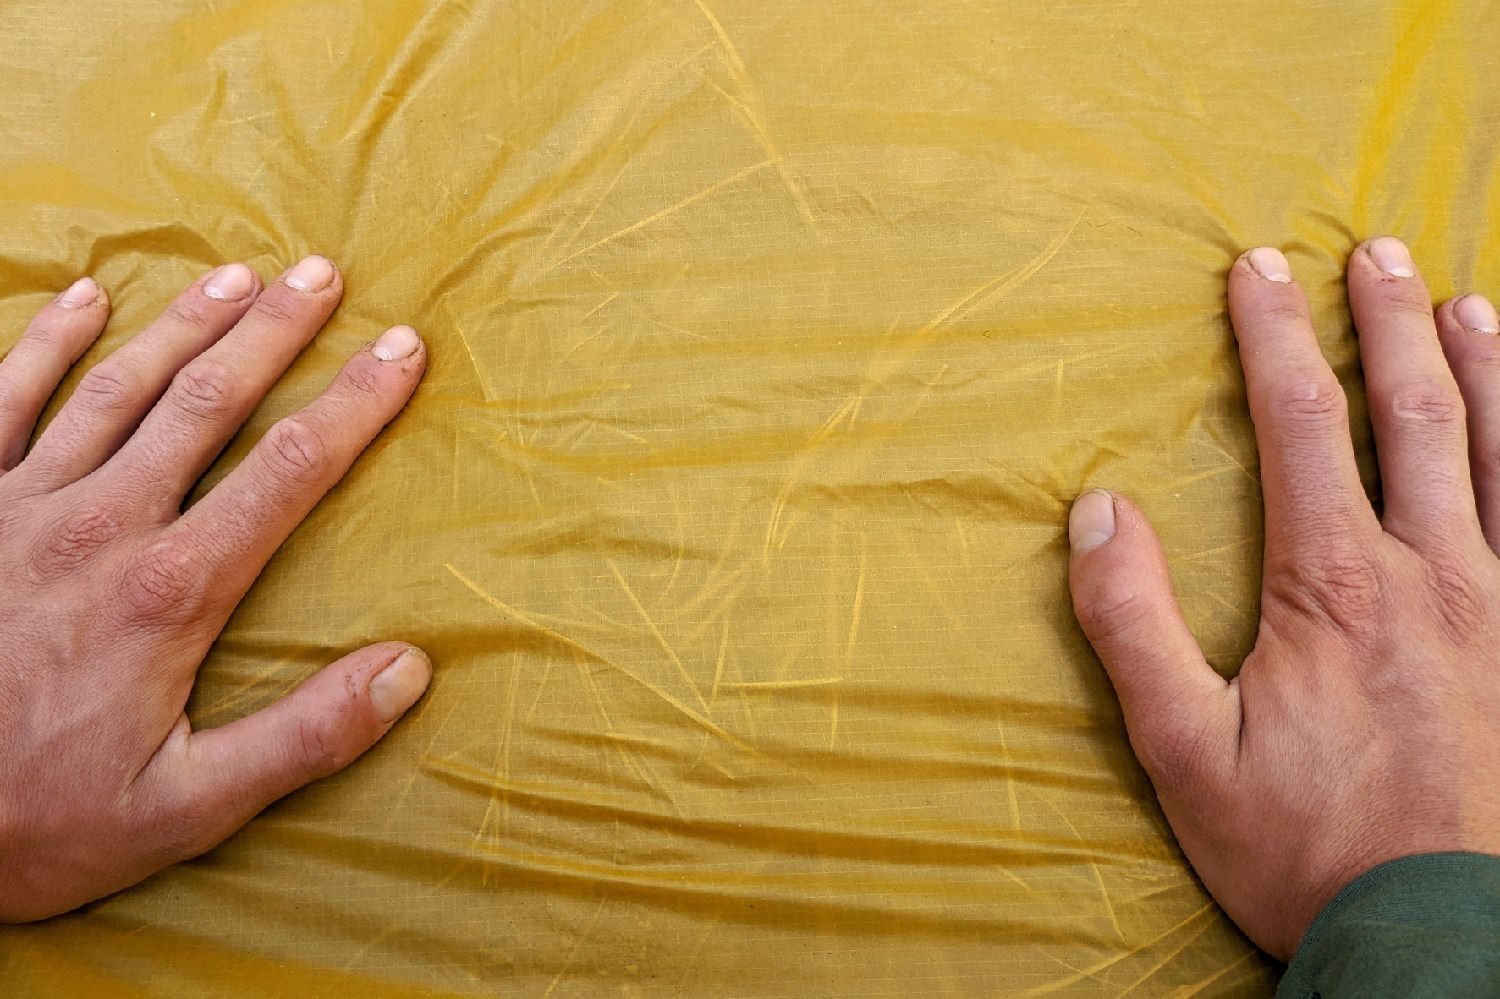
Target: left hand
110, 594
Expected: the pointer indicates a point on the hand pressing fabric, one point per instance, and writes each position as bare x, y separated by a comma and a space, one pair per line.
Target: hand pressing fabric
110, 595
1365, 725
1364, 728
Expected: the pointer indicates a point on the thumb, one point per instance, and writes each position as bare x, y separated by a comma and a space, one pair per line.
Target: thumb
1177, 709
224, 776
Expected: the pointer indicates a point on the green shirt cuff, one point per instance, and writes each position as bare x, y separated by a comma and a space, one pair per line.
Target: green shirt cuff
1427, 925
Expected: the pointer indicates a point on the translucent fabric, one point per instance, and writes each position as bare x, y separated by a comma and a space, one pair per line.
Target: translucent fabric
770, 341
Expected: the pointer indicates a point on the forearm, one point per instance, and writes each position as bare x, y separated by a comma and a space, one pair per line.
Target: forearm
1427, 925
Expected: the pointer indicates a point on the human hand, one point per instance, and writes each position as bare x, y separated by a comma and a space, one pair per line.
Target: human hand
1365, 725
110, 594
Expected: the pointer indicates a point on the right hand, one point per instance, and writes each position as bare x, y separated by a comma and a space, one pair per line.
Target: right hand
1365, 725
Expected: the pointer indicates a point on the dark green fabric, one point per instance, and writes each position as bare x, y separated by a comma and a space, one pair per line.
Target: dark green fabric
1427, 925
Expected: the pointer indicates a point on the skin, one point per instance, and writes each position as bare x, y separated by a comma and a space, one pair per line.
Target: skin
1360, 730
1365, 725
111, 594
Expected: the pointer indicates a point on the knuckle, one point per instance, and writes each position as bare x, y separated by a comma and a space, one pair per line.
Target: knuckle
363, 380
318, 750
1348, 589
187, 314
108, 388
42, 335
273, 310
192, 828
205, 391
1179, 755
1460, 600
1399, 302
1483, 357
1424, 402
296, 452
1316, 401
1282, 311
79, 536
1114, 614
165, 584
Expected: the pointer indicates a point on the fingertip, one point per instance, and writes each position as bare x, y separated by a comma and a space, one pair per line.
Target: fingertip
81, 294
231, 283
1109, 536
1266, 304
1265, 263
1386, 257
395, 688
311, 275
1471, 314
1091, 521
397, 344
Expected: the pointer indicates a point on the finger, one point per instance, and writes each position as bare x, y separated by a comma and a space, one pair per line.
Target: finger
1181, 715
1311, 483
1415, 405
247, 516
117, 392
1467, 329
213, 395
216, 780
35, 366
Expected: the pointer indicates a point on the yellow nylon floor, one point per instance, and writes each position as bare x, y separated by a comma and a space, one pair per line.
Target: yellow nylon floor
770, 342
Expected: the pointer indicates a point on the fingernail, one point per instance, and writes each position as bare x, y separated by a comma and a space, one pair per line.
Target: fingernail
396, 343
399, 685
311, 274
82, 292
230, 283
1270, 263
1476, 313
1091, 522
1392, 256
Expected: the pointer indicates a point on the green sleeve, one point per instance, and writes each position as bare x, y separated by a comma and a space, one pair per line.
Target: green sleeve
1427, 925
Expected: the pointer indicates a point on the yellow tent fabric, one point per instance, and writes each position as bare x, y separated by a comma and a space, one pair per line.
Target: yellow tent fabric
770, 341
